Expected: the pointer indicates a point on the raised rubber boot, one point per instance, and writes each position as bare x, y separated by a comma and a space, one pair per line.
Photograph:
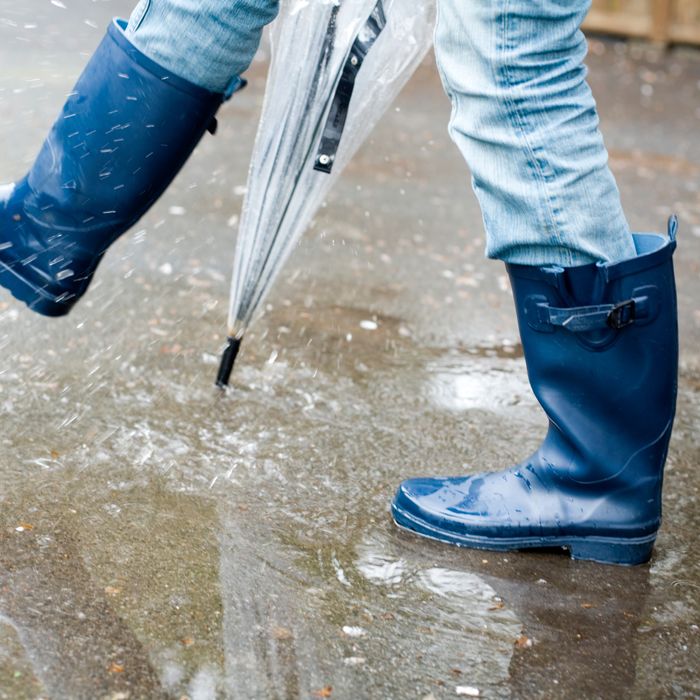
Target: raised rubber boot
601, 347
124, 133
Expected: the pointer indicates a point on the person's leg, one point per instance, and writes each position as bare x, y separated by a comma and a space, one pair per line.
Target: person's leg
526, 122
596, 305
208, 42
139, 109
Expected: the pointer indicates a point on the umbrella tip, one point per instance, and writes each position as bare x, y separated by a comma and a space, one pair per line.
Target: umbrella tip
227, 361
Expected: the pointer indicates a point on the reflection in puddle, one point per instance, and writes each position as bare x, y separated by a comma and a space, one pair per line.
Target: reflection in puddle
454, 617
464, 383
380, 569
447, 583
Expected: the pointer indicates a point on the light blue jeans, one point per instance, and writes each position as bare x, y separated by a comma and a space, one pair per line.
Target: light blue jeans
523, 115
208, 42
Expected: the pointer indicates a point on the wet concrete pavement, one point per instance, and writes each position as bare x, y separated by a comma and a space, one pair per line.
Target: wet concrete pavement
160, 539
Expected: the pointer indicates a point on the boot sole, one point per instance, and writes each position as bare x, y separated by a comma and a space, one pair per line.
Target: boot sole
622, 551
36, 298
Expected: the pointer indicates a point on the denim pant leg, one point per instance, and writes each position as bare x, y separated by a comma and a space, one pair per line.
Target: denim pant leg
526, 122
208, 42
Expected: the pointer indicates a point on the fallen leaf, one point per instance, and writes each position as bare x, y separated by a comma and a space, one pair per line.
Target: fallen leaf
114, 667
174, 349
523, 642
324, 692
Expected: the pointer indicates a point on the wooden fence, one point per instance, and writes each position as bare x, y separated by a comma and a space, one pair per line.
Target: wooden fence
661, 21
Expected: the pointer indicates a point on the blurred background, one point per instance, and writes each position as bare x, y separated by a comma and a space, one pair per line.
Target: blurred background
661, 21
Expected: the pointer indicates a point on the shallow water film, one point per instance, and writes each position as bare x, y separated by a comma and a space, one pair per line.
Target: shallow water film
162, 539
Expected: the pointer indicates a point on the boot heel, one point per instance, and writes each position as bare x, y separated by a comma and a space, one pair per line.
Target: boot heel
605, 551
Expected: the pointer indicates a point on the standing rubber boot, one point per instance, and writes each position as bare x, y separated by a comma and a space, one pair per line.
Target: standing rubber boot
601, 347
124, 133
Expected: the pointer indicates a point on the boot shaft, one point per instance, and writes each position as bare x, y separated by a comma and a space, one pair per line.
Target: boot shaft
601, 346
125, 130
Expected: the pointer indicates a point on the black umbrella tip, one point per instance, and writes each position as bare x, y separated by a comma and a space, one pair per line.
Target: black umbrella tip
228, 359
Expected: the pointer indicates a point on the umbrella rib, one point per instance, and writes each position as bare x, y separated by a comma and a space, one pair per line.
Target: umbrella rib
247, 297
250, 299
326, 53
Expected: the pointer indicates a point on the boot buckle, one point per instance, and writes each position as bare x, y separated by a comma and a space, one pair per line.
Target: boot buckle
622, 314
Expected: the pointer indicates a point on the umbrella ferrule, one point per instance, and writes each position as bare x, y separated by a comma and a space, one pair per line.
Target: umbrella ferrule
228, 359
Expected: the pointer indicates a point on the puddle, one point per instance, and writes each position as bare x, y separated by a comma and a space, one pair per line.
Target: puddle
463, 383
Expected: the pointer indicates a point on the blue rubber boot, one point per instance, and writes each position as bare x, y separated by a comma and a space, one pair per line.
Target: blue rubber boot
124, 133
601, 347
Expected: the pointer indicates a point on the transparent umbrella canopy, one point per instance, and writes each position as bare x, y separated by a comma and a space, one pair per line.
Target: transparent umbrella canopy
336, 67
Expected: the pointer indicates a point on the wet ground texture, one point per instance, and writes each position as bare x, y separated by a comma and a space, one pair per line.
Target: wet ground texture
160, 539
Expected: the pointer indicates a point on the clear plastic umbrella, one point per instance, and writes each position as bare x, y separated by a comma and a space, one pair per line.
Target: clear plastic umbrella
336, 67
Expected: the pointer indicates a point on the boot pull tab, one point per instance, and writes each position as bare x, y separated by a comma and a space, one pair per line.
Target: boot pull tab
554, 276
237, 84
673, 227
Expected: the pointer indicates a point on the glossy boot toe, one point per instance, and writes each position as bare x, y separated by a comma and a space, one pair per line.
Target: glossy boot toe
459, 511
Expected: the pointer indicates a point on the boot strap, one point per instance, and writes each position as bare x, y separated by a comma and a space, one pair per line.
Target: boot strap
340, 105
581, 319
